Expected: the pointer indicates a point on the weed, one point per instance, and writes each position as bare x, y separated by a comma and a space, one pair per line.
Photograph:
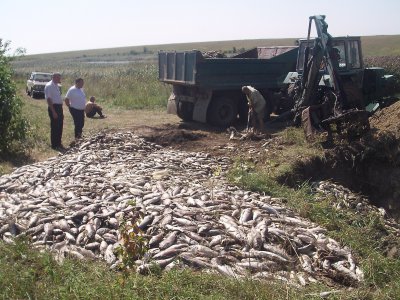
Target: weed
133, 245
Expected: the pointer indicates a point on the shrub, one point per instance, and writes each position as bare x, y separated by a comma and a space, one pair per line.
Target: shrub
13, 129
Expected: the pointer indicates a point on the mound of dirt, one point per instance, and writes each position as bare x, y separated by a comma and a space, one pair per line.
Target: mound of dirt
387, 119
171, 137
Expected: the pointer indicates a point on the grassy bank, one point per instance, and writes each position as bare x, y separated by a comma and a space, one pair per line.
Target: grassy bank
365, 233
29, 274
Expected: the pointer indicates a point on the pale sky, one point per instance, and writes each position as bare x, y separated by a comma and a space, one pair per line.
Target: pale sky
43, 26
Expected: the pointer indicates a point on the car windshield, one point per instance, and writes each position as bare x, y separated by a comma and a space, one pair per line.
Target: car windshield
42, 77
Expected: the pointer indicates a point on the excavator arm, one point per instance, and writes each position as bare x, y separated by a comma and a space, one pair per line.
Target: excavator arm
321, 55
319, 107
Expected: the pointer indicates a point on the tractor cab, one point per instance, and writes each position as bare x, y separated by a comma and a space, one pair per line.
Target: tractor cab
346, 52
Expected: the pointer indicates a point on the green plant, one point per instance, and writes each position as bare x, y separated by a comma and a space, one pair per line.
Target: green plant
134, 243
13, 129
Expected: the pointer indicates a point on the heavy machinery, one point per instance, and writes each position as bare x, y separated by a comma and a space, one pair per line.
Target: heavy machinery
321, 81
331, 90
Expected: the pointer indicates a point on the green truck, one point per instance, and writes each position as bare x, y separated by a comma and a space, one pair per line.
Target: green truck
208, 90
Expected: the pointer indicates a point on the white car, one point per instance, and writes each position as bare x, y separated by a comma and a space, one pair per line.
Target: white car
36, 83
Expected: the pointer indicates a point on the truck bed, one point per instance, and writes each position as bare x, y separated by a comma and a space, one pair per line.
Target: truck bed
263, 67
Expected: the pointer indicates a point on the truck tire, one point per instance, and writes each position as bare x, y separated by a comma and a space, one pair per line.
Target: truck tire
222, 112
184, 110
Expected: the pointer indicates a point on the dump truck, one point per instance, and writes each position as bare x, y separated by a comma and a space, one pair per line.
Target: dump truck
208, 90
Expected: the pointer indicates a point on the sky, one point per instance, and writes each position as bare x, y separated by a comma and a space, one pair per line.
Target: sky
44, 26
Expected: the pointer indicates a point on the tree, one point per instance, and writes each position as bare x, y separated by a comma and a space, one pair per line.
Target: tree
13, 128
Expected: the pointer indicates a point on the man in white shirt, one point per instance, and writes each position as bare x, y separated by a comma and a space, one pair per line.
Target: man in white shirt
256, 104
54, 101
75, 99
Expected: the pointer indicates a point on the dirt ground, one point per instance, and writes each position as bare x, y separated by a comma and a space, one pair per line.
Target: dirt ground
388, 119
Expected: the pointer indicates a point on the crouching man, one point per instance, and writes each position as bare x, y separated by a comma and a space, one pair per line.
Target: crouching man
91, 108
256, 103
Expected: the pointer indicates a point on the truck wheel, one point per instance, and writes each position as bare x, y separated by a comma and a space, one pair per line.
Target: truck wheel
184, 110
222, 112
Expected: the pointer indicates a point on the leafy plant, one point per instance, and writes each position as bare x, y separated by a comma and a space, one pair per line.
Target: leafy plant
134, 243
13, 129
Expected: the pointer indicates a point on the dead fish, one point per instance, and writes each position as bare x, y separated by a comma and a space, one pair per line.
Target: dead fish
166, 220
86, 253
171, 251
254, 266
266, 255
162, 263
156, 239
203, 229
48, 229
254, 239
32, 221
203, 251
169, 240
70, 238
184, 222
109, 238
147, 220
103, 246
35, 230
74, 254
109, 255
90, 231
101, 231
193, 261
246, 215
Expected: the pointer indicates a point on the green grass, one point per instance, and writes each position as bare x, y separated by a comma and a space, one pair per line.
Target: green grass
30, 274
129, 86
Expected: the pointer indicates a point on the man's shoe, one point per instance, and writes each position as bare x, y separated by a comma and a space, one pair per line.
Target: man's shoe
61, 149
103, 117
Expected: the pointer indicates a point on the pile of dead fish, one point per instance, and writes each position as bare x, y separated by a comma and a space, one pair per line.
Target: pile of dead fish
73, 205
342, 197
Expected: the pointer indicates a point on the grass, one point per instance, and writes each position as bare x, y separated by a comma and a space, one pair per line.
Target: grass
30, 274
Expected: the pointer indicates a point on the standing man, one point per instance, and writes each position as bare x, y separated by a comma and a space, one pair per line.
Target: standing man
75, 99
53, 96
256, 104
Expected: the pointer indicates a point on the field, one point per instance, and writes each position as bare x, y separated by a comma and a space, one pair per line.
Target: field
124, 80
127, 77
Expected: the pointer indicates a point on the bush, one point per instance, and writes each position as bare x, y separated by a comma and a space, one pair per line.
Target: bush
13, 129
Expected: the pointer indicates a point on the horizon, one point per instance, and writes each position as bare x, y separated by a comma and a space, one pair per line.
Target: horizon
183, 43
